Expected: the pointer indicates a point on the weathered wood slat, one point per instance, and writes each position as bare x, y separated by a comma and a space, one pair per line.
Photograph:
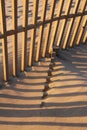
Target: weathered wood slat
72, 40
84, 40
64, 25
38, 53
34, 21
50, 27
14, 37
80, 22
60, 7
24, 34
47, 33
4, 40
84, 33
80, 30
67, 35
64, 21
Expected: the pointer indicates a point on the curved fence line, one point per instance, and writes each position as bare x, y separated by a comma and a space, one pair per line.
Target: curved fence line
44, 24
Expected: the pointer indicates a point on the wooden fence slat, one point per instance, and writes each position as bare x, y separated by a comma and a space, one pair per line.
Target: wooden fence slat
35, 12
83, 33
80, 30
41, 31
64, 45
4, 40
72, 24
14, 37
68, 5
56, 26
48, 29
64, 23
72, 40
24, 34
84, 40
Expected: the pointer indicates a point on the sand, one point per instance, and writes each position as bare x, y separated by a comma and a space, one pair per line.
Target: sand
65, 107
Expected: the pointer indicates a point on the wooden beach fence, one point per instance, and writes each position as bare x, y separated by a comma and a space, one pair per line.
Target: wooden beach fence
65, 27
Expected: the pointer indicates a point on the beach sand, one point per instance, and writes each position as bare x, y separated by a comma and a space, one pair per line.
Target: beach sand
65, 107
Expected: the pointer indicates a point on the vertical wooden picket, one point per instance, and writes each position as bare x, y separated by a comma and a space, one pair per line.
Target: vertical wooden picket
24, 34
80, 21
72, 24
48, 29
60, 7
4, 40
14, 37
64, 45
84, 33
84, 40
72, 40
80, 30
34, 21
68, 6
38, 53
